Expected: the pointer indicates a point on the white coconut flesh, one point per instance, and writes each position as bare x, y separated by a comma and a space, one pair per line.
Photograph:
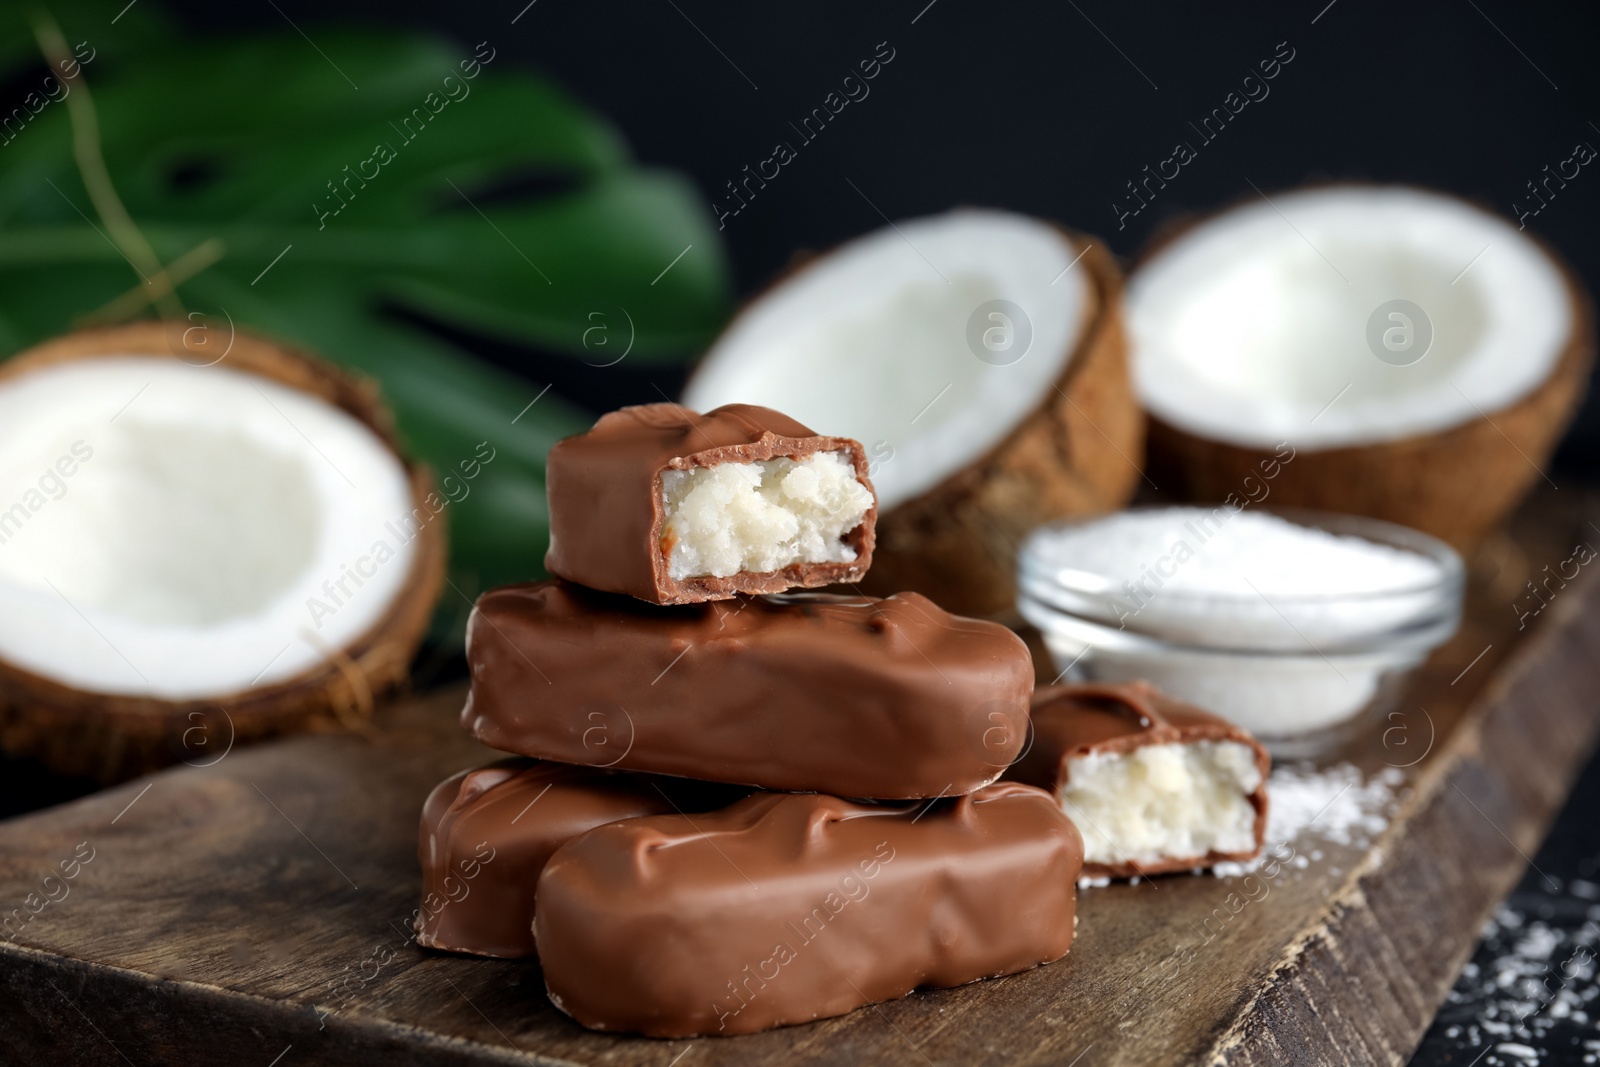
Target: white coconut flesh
762, 516
179, 532
1168, 801
871, 342
1252, 327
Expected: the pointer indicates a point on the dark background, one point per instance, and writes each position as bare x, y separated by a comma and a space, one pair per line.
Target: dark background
1050, 109
1046, 108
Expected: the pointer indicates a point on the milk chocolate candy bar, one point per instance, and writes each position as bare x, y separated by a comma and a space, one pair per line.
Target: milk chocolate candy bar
849, 695
675, 507
1155, 785
487, 833
785, 908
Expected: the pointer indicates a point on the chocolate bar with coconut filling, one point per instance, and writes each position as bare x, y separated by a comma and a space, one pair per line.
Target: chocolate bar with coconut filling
854, 696
785, 908
675, 507
487, 833
1154, 784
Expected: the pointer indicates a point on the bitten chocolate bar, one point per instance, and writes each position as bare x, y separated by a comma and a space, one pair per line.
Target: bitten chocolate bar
788, 908
853, 696
486, 835
675, 507
1155, 785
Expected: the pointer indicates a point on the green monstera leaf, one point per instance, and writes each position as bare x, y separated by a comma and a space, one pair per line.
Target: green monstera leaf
336, 195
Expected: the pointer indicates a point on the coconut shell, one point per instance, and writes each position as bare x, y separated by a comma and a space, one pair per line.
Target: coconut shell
1077, 453
1458, 484
112, 738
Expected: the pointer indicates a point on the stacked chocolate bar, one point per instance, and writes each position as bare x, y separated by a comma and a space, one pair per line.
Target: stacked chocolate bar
675, 840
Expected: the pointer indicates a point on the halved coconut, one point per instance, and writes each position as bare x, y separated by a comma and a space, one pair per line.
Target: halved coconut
1417, 357
198, 548
979, 357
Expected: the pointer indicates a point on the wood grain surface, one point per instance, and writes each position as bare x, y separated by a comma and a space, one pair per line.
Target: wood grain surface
255, 912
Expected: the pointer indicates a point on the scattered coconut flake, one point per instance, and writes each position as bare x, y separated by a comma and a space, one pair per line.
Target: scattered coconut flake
1337, 805
1086, 882
1539, 978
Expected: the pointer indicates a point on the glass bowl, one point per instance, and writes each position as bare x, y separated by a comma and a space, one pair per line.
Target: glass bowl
1303, 673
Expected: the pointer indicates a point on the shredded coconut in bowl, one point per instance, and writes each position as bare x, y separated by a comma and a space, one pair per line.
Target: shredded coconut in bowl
1230, 552
1288, 629
1202, 574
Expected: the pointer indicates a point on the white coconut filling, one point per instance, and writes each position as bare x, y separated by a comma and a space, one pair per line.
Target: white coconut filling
1253, 328
1163, 801
185, 532
896, 314
761, 516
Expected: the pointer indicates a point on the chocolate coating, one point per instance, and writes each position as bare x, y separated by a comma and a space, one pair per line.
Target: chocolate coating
607, 509
1072, 721
788, 908
852, 696
487, 833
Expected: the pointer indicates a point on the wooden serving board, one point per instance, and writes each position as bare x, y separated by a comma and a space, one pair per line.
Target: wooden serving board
255, 912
